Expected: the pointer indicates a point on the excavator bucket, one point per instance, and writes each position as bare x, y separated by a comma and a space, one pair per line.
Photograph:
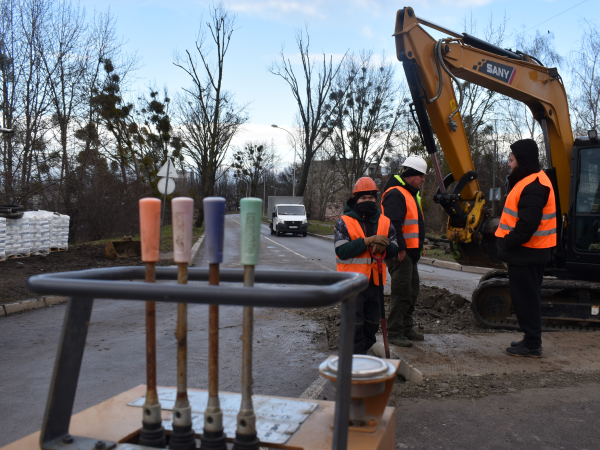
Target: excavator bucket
127, 248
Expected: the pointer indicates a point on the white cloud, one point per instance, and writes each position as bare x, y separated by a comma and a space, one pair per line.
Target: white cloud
277, 7
260, 132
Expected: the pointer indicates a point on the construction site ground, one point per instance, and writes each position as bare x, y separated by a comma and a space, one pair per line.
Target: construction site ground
473, 395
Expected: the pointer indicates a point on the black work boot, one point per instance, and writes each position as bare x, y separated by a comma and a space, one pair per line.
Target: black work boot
517, 343
521, 350
400, 341
413, 335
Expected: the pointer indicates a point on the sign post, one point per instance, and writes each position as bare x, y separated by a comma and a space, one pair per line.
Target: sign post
166, 186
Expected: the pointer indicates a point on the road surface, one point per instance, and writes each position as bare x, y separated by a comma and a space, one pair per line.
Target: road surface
287, 352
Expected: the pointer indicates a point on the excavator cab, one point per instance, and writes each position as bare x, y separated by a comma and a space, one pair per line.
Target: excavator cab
582, 228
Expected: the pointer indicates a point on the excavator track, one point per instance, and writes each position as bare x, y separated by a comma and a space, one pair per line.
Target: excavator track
567, 305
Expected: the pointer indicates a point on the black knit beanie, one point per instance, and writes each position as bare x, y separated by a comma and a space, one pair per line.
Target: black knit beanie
410, 172
360, 194
526, 151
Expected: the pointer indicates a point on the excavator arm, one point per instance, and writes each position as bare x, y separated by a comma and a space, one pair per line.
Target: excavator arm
430, 66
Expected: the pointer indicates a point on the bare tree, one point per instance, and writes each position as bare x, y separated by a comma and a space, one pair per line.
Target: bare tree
208, 114
252, 163
584, 64
312, 94
65, 72
364, 120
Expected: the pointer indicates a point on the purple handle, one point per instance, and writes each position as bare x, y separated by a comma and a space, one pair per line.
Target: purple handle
214, 228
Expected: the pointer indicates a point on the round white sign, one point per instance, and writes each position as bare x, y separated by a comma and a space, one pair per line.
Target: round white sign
166, 185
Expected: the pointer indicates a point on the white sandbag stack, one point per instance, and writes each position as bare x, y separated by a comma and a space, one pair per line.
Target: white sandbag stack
36, 233
59, 231
2, 238
13, 236
24, 245
39, 225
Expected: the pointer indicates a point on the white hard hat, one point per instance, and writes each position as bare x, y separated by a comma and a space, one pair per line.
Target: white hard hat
417, 163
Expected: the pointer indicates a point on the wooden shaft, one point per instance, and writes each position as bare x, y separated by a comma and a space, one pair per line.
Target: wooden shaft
151, 394
213, 337
182, 278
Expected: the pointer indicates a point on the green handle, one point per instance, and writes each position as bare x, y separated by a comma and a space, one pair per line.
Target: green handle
251, 211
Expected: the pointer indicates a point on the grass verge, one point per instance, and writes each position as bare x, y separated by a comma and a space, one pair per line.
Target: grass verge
167, 238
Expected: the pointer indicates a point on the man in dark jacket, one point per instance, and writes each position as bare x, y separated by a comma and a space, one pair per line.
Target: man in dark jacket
526, 235
401, 203
362, 227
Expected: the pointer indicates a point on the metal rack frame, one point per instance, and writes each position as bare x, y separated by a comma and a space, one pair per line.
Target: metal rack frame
117, 283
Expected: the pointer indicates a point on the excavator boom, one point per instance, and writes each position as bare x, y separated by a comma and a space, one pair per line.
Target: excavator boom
430, 67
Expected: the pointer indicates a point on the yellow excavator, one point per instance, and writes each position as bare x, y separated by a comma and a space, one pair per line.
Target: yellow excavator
570, 293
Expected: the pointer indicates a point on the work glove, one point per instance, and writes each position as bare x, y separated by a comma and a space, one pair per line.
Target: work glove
377, 239
378, 249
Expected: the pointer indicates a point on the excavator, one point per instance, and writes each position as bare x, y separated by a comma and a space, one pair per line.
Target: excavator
570, 291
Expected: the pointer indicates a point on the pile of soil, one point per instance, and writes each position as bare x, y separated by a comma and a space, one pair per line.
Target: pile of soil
14, 272
473, 387
438, 311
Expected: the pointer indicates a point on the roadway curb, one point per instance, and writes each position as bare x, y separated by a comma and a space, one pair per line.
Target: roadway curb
9, 309
431, 261
329, 238
453, 266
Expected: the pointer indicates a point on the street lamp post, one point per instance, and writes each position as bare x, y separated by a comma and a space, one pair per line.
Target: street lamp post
294, 168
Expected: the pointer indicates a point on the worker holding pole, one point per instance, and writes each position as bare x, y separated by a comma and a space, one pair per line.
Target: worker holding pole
526, 235
360, 230
401, 203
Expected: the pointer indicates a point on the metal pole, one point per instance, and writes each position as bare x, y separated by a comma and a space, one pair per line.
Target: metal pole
494, 179
294, 167
438, 173
547, 143
164, 205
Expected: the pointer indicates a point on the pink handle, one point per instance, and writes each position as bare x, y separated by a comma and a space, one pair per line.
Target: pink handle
150, 228
183, 219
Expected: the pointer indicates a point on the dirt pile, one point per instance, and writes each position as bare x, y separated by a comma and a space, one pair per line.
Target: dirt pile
438, 311
473, 387
14, 272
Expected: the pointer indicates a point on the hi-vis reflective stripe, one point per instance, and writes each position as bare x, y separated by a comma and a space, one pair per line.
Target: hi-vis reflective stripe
341, 242
545, 232
503, 226
411, 236
411, 222
510, 212
355, 261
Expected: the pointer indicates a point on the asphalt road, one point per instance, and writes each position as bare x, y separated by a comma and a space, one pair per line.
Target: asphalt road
287, 353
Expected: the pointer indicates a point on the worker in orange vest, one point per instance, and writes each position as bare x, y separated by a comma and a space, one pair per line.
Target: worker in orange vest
401, 203
526, 235
362, 227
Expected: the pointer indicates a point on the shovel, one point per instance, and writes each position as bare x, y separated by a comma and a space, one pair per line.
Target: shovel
379, 261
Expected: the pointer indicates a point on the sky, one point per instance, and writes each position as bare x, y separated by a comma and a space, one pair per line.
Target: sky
156, 29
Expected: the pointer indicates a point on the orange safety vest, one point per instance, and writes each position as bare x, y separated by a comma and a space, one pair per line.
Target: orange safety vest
545, 235
363, 263
410, 228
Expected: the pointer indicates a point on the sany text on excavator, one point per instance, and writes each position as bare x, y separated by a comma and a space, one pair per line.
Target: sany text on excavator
570, 295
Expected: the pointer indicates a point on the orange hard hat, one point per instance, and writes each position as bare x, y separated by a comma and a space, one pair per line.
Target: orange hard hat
365, 184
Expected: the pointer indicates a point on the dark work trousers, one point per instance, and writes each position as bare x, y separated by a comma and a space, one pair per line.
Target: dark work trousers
525, 292
405, 290
366, 323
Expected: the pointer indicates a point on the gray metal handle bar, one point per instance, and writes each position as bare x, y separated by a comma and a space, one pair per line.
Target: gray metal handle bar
112, 283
